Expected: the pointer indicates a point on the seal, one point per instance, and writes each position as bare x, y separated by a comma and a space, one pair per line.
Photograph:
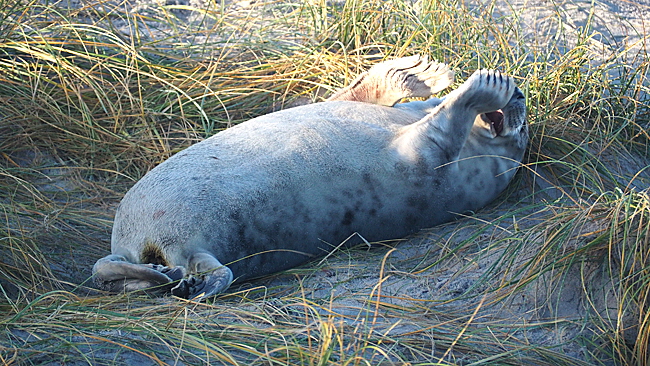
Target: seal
278, 190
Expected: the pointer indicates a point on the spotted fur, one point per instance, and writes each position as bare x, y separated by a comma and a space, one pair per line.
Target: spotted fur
281, 189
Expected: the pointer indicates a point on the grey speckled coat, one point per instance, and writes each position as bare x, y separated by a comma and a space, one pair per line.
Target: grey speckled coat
280, 189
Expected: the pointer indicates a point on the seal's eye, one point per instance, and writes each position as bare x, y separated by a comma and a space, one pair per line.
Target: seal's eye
496, 120
518, 94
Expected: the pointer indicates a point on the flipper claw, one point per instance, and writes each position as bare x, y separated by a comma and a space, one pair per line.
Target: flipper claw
202, 287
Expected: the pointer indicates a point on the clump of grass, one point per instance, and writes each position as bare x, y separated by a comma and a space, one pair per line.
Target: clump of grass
92, 98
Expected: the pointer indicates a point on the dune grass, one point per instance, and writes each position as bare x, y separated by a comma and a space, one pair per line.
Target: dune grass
93, 97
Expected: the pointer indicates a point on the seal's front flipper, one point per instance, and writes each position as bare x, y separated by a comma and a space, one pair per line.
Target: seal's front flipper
390, 81
442, 134
209, 278
114, 273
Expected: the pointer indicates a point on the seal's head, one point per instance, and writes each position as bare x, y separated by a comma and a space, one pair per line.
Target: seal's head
508, 122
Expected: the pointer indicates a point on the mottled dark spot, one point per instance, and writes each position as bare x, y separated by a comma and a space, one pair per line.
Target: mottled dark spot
241, 232
273, 231
158, 214
332, 200
358, 205
437, 182
337, 237
401, 168
411, 221
348, 194
377, 200
461, 197
235, 215
372, 212
422, 167
347, 218
411, 201
418, 202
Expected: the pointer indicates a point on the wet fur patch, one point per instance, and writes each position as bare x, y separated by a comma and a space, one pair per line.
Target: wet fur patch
151, 253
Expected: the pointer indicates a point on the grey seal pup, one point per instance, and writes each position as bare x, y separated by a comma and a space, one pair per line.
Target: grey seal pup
278, 190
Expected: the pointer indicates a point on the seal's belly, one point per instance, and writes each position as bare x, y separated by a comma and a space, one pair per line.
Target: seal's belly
321, 173
311, 219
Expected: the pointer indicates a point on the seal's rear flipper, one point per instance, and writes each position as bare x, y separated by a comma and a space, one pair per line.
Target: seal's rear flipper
115, 274
210, 278
388, 82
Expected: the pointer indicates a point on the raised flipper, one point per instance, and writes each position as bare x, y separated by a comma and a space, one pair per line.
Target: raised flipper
449, 124
391, 81
209, 278
115, 274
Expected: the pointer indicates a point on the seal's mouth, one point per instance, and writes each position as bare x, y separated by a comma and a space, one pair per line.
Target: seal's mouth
495, 119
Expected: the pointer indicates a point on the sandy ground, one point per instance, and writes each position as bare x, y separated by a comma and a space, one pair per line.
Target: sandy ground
617, 24
349, 280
